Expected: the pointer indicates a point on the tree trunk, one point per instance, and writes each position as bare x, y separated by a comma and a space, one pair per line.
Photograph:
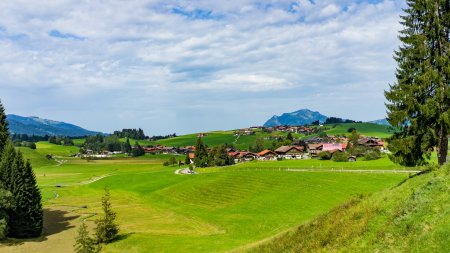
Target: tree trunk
442, 147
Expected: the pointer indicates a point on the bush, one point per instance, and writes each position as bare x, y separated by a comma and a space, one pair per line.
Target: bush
339, 157
351, 129
325, 155
3, 229
166, 163
372, 155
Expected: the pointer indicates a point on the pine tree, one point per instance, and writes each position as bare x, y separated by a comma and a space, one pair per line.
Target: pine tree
419, 102
26, 219
200, 154
83, 242
187, 160
107, 229
4, 136
6, 165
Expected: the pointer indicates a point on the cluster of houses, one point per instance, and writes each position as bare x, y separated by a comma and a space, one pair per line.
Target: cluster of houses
311, 148
306, 130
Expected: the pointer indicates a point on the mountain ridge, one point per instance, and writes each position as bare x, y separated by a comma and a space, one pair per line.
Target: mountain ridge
34, 125
296, 118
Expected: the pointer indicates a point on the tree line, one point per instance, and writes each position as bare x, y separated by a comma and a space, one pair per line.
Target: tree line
136, 134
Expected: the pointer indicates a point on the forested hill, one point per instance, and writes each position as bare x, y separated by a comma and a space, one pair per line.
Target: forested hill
42, 127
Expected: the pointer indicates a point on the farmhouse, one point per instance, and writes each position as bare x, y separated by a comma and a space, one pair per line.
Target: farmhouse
371, 143
315, 149
290, 152
267, 155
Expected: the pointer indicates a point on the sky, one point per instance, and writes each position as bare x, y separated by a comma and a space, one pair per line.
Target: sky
191, 66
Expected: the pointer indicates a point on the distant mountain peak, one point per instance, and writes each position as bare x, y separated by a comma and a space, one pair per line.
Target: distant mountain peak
296, 118
34, 125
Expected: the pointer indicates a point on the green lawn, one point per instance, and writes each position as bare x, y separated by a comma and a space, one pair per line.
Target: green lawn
231, 208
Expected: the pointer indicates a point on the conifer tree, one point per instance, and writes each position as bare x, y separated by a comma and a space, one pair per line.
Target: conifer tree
26, 219
187, 160
83, 242
201, 154
419, 102
3, 128
107, 229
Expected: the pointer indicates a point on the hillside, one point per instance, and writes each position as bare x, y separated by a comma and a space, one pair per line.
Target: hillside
243, 141
412, 217
297, 118
42, 127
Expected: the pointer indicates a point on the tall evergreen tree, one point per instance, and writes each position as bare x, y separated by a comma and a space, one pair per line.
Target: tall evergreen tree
419, 102
200, 154
3, 128
26, 219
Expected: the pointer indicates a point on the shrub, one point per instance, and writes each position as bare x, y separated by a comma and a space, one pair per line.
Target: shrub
339, 157
372, 155
3, 229
351, 129
325, 155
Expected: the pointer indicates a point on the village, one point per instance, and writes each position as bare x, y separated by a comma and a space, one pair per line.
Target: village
309, 148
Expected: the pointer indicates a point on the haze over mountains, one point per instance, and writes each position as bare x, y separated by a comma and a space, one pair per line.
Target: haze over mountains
41, 127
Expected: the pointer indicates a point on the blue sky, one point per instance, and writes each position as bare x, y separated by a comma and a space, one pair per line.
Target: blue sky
190, 66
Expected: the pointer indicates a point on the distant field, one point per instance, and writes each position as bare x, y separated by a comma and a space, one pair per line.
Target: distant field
159, 211
367, 129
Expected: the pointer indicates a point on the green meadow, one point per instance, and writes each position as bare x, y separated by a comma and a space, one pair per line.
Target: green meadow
217, 210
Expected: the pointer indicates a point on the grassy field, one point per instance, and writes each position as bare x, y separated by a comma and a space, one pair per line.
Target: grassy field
217, 210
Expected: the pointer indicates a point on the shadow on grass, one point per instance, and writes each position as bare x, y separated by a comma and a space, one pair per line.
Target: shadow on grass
121, 237
55, 221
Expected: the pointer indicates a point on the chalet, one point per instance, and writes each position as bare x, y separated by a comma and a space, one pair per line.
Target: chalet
242, 156
267, 155
290, 152
371, 143
315, 149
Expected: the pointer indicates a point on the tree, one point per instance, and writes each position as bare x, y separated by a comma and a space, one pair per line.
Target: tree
257, 146
339, 156
83, 242
187, 160
200, 154
138, 150
6, 205
106, 230
4, 136
324, 155
419, 101
126, 147
290, 137
26, 219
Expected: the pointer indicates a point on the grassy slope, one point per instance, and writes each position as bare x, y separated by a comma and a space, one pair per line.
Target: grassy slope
413, 217
221, 137
367, 129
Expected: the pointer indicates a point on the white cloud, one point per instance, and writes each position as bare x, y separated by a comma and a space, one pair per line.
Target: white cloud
136, 47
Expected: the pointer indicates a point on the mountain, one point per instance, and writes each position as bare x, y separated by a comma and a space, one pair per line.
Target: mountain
42, 127
381, 122
297, 118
